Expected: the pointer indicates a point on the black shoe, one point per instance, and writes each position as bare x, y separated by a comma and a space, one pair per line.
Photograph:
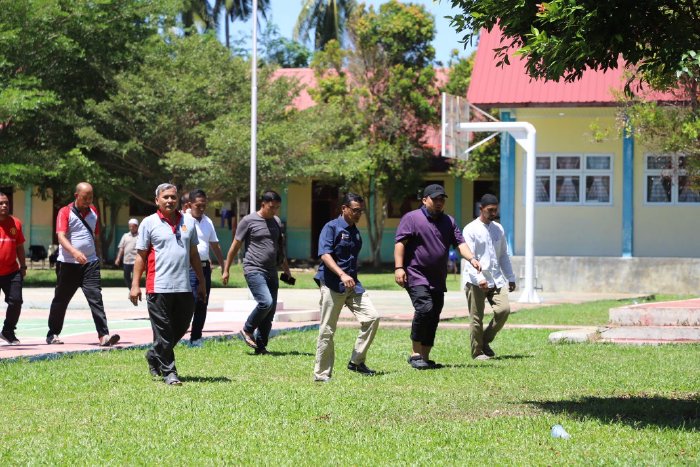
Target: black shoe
261, 350
361, 368
153, 366
53, 339
417, 362
172, 380
488, 351
9, 337
433, 364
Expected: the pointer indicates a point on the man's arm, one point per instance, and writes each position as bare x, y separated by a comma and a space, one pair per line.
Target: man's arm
119, 255
218, 253
505, 265
66, 244
139, 266
22, 260
330, 263
467, 254
399, 269
232, 252
196, 264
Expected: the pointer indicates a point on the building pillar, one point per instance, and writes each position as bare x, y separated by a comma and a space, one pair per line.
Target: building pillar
27, 224
458, 202
627, 194
508, 177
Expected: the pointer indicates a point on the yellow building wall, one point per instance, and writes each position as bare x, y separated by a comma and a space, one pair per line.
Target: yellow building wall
571, 230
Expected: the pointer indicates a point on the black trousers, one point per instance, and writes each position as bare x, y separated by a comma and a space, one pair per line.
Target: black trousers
428, 305
200, 306
11, 286
69, 277
170, 315
128, 274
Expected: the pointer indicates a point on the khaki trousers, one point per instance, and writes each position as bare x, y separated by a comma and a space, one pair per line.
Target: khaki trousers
476, 298
331, 304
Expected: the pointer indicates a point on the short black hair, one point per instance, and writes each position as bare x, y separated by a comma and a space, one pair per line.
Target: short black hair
270, 195
3, 194
350, 197
488, 199
196, 193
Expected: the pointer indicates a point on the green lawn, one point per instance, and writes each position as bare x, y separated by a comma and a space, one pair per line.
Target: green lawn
382, 280
621, 405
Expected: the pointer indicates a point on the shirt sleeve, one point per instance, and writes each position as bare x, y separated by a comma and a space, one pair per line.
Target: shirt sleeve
326, 240
143, 242
458, 238
213, 237
122, 241
62, 219
194, 236
405, 229
504, 258
20, 236
97, 220
242, 229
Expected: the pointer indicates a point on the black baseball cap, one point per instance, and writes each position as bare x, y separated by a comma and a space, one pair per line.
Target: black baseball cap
433, 191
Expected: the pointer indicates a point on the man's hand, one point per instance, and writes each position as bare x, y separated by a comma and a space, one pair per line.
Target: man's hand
400, 277
347, 281
475, 264
135, 295
483, 285
224, 277
23, 271
201, 291
80, 257
511, 286
116, 262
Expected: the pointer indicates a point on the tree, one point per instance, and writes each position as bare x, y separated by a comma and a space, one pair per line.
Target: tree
327, 18
237, 10
378, 110
283, 52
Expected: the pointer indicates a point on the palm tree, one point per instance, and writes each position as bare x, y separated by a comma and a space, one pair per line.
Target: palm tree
237, 9
326, 17
197, 13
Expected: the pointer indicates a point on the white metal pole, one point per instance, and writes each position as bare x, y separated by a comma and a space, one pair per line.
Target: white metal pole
254, 113
529, 294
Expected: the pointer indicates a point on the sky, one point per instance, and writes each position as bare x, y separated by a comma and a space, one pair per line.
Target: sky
284, 13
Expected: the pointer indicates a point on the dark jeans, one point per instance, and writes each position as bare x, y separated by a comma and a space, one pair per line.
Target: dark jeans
11, 286
69, 277
170, 315
263, 286
200, 306
128, 274
428, 306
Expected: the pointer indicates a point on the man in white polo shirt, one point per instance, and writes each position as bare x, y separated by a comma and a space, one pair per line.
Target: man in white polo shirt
486, 238
207, 240
127, 251
166, 248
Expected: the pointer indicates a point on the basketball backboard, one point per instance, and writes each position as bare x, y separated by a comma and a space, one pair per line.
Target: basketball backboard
457, 143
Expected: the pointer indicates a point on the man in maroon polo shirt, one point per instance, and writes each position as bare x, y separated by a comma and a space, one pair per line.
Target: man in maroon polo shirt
423, 240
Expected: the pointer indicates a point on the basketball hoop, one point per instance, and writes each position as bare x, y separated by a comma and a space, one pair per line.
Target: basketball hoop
457, 142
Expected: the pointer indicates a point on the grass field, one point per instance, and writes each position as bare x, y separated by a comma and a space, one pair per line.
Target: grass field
382, 280
621, 405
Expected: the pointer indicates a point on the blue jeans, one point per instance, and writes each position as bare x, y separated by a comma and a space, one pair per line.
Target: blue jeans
263, 286
200, 306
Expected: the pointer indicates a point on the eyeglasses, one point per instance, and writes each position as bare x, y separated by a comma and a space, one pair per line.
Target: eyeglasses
356, 210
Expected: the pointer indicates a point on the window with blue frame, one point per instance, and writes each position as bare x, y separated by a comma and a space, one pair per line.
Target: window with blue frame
573, 179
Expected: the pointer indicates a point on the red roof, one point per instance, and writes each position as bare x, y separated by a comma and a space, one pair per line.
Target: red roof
510, 85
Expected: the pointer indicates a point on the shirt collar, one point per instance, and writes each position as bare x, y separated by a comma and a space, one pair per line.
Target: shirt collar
173, 225
427, 214
342, 223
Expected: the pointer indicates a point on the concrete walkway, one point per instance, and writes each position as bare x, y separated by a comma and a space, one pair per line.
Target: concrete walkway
132, 323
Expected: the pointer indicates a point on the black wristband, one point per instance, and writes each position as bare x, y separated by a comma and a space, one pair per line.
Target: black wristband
400, 267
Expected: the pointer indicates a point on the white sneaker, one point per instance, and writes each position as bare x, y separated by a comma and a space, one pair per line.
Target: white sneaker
482, 357
197, 343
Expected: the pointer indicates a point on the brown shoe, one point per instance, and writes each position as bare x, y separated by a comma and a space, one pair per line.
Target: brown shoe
248, 339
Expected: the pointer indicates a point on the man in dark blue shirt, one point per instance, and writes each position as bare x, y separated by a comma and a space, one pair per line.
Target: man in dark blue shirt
338, 247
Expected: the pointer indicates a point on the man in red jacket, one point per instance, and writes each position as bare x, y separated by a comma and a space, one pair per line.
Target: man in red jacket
12, 268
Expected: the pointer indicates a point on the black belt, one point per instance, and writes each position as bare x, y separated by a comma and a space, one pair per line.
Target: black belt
206, 264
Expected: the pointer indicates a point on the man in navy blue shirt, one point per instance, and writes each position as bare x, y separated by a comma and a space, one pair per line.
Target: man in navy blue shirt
339, 246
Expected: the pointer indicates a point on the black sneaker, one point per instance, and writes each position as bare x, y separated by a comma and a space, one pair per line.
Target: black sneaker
153, 366
488, 351
9, 337
261, 350
172, 380
434, 365
53, 339
361, 368
417, 362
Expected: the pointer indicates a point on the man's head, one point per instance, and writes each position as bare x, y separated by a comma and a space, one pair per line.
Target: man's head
352, 208
198, 203
4, 205
270, 203
488, 207
133, 226
434, 199
166, 199
185, 202
83, 195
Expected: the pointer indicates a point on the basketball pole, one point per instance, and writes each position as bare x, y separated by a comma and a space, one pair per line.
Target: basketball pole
524, 134
254, 113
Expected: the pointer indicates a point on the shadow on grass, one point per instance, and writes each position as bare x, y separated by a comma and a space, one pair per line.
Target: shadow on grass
512, 357
205, 379
636, 411
276, 353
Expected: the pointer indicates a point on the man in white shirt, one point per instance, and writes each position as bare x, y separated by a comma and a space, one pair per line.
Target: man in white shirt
206, 233
127, 251
486, 239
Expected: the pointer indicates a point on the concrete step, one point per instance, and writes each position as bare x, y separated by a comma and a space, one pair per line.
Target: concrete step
680, 313
651, 335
